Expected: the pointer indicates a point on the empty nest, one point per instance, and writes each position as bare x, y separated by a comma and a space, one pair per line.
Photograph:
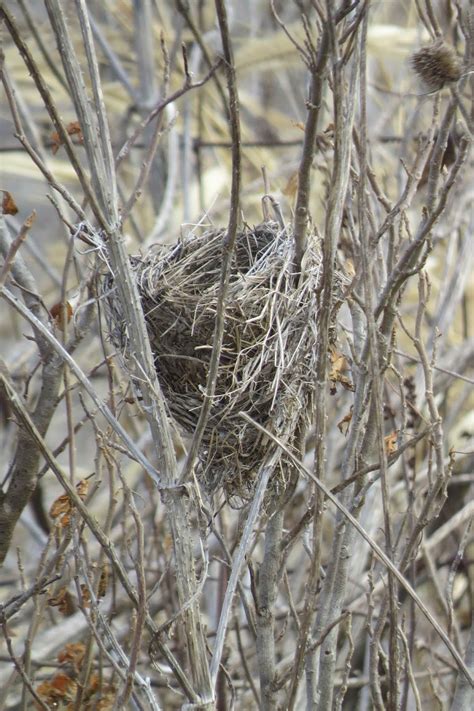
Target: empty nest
267, 364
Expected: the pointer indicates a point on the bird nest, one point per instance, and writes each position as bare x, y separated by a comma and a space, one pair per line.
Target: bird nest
269, 350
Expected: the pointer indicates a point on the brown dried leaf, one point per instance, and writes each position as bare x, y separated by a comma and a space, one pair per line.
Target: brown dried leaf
57, 692
339, 366
63, 601
8, 204
345, 421
61, 506
86, 596
390, 442
103, 582
57, 314
73, 129
72, 653
63, 685
56, 142
44, 690
82, 488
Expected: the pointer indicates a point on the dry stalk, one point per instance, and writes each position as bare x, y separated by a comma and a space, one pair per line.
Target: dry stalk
376, 549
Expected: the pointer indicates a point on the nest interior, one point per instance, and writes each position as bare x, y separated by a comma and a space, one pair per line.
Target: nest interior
269, 350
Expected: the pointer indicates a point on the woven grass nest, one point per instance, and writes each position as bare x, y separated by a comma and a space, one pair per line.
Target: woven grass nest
267, 365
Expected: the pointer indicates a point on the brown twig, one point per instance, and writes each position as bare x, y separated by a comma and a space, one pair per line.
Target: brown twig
228, 244
14, 247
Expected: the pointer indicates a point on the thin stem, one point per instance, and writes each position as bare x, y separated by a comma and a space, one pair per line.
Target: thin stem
228, 245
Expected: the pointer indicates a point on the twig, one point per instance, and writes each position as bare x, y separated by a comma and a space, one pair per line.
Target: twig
464, 694
268, 581
265, 472
161, 105
228, 245
333, 589
19, 665
87, 385
375, 547
377, 370
317, 65
14, 247
403, 269
95, 528
124, 697
34, 152
52, 109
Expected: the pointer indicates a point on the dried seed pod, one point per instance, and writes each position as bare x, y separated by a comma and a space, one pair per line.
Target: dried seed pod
436, 64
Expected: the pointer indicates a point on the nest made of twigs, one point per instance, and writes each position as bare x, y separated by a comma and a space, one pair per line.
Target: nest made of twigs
267, 364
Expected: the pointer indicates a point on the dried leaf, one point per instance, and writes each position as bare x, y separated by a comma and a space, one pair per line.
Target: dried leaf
103, 582
390, 442
298, 124
8, 204
57, 314
86, 596
44, 690
73, 129
345, 421
58, 691
61, 506
339, 367
56, 142
349, 268
63, 601
72, 653
82, 489
339, 364
63, 684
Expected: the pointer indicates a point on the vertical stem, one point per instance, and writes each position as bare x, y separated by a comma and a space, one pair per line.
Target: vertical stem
331, 601
267, 594
266, 470
376, 371
229, 241
300, 223
464, 694
307, 618
97, 144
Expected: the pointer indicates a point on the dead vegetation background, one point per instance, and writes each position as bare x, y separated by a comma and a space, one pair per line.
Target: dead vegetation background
128, 581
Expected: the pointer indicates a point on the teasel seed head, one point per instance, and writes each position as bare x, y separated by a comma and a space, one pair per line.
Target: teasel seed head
436, 65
